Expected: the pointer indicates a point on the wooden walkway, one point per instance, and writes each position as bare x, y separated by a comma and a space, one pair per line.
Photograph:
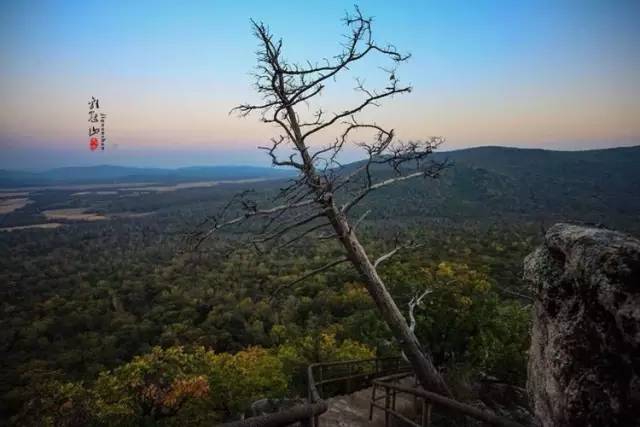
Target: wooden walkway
353, 409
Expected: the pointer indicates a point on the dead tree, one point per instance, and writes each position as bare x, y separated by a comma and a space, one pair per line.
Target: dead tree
321, 201
416, 301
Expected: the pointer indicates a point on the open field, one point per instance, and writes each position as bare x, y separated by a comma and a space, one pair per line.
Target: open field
188, 185
13, 194
74, 214
10, 205
72, 187
86, 189
129, 215
98, 193
33, 206
47, 225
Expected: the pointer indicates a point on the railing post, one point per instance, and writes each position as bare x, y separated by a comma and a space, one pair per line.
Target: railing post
320, 374
349, 379
373, 400
309, 385
426, 413
386, 406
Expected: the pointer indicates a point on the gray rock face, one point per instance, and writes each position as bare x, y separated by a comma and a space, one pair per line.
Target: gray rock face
584, 361
505, 400
270, 406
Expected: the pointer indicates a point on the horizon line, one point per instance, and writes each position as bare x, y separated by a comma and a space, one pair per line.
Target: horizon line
270, 166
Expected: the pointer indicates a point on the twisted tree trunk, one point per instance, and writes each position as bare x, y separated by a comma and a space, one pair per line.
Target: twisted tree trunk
422, 364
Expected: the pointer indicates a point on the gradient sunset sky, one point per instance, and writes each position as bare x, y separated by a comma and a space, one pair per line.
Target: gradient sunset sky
547, 74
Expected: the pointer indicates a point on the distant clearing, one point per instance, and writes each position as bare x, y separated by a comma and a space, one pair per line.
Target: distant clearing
81, 214
78, 187
99, 193
187, 185
130, 214
14, 194
84, 189
24, 227
75, 214
10, 205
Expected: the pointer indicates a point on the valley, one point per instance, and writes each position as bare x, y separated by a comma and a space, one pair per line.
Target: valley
96, 274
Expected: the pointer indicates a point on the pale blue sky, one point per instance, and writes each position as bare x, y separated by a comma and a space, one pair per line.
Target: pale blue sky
552, 74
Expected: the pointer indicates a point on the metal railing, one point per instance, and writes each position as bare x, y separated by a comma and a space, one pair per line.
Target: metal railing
427, 402
303, 414
330, 379
348, 376
333, 378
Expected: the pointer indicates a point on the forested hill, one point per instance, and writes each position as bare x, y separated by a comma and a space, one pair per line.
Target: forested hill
594, 186
615, 167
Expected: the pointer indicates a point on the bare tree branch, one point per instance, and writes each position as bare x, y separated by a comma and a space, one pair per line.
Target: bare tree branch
310, 274
305, 233
416, 301
252, 211
290, 227
359, 220
392, 252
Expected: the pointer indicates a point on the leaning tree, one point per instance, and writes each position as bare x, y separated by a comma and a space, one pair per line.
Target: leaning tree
320, 202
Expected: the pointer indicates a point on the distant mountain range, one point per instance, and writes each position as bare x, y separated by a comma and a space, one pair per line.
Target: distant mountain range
506, 161
595, 185
121, 174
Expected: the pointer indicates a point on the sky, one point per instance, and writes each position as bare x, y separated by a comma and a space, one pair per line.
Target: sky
561, 75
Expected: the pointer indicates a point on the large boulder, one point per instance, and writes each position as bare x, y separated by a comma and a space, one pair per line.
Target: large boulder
584, 361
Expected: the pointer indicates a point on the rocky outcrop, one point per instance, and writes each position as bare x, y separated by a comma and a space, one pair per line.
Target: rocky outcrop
505, 400
584, 362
